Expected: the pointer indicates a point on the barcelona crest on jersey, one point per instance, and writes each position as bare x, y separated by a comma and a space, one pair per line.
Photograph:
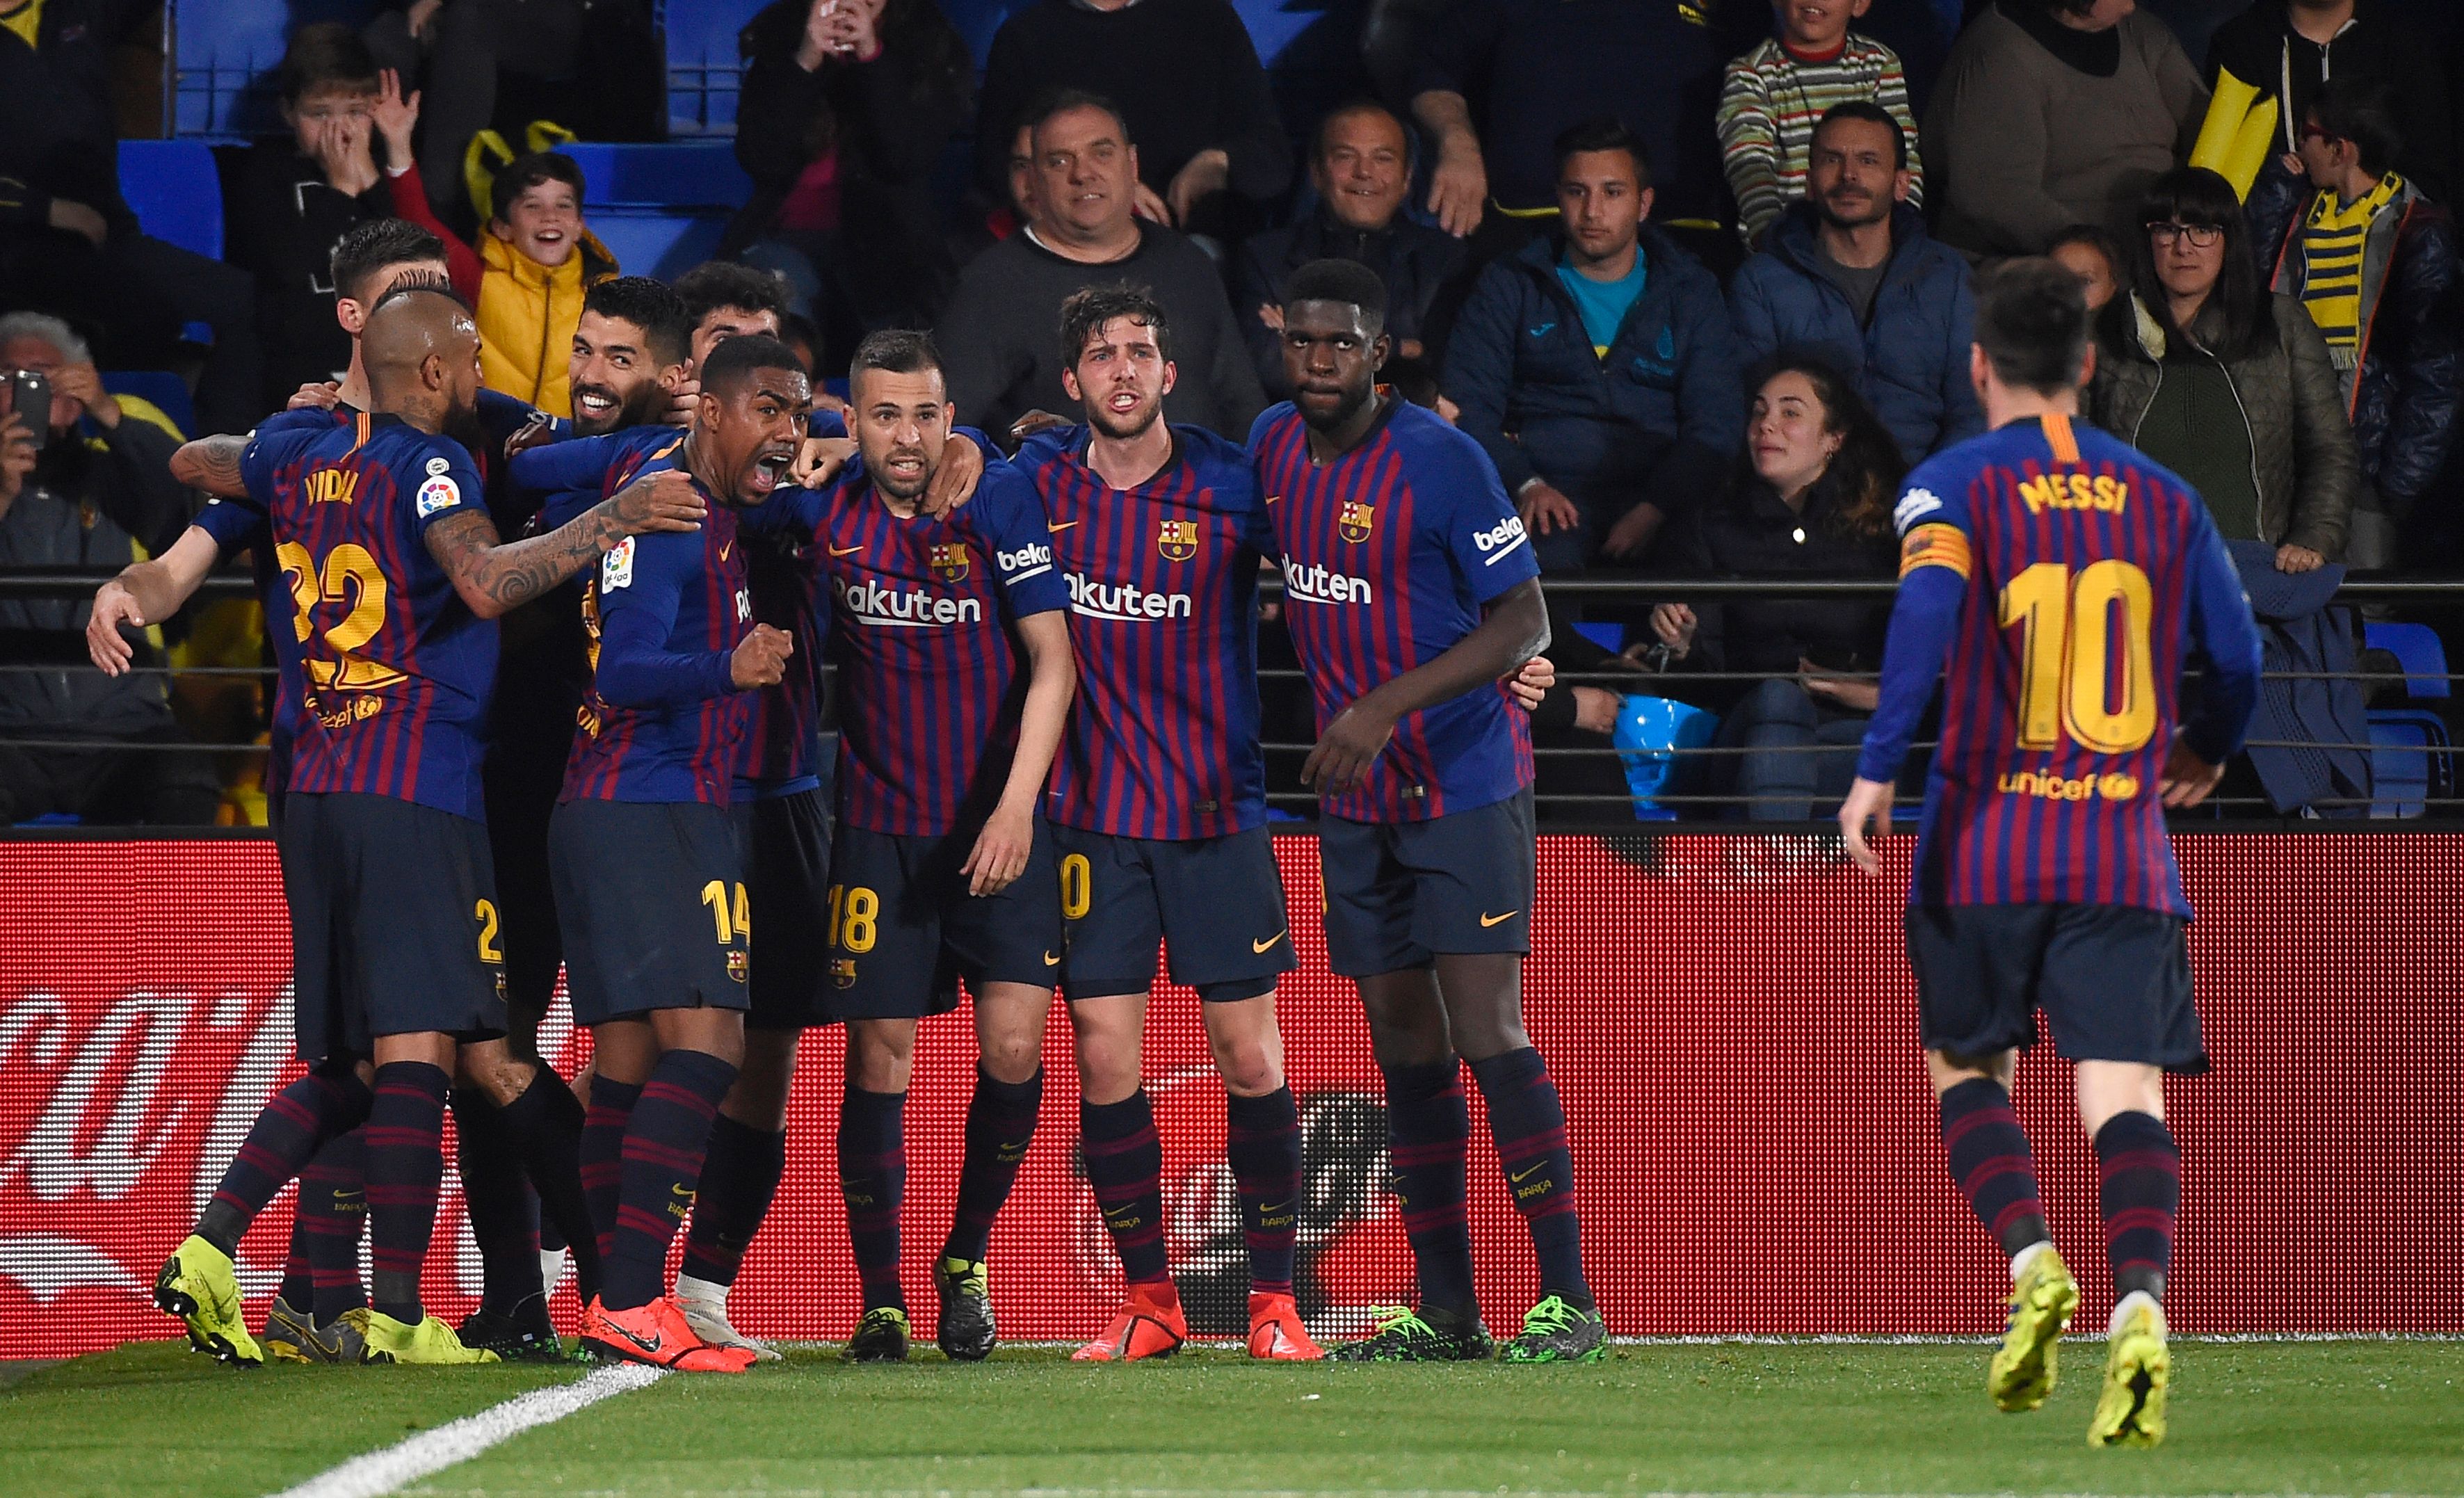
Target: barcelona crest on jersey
1355, 521
950, 561
1176, 539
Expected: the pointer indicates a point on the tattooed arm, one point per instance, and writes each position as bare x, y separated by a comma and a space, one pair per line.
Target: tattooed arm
211, 464
495, 576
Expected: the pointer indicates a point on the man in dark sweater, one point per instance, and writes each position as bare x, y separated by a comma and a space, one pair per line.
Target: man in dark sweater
1362, 169
1000, 335
1189, 89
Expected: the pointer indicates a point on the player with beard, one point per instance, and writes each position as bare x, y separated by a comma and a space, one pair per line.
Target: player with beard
1410, 590
397, 973
1158, 812
954, 666
629, 352
649, 882
322, 1272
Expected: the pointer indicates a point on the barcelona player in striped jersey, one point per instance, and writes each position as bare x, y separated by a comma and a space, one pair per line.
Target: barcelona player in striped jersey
2058, 583
650, 883
955, 679
395, 576
1158, 811
1412, 594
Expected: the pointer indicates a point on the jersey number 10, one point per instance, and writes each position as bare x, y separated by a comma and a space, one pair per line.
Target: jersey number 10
2074, 627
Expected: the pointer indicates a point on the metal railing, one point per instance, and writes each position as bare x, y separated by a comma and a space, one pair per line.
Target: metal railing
1286, 749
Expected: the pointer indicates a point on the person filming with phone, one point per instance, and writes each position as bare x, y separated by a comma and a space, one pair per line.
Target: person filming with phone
85, 480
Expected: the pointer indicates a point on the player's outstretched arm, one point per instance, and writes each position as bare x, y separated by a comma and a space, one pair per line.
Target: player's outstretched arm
495, 576
212, 464
1516, 629
1000, 854
146, 593
1923, 620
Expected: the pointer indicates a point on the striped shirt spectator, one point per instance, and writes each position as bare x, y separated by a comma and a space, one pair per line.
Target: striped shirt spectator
1773, 96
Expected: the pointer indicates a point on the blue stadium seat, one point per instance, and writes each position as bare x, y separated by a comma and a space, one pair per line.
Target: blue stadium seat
1607, 636
660, 209
172, 187
227, 53
703, 68
2412, 759
166, 391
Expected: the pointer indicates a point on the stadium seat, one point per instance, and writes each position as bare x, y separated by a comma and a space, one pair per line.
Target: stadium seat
227, 53
2417, 650
2412, 759
166, 391
1607, 636
703, 66
172, 187
660, 209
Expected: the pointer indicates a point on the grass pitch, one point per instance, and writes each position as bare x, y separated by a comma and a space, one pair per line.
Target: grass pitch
1784, 1418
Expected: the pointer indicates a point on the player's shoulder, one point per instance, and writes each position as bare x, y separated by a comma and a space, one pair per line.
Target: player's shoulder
502, 415
1269, 426
1440, 460
1217, 462
1049, 446
1005, 497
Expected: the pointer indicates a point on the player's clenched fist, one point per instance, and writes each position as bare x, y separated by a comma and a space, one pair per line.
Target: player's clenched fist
760, 658
667, 500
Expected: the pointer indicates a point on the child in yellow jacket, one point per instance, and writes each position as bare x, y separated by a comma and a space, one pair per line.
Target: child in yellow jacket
538, 259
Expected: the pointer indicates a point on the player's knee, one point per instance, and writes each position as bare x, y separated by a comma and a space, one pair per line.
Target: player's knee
881, 1056
1011, 1058
1250, 1067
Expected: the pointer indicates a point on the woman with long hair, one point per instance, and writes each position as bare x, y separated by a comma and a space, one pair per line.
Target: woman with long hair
2228, 384
1811, 497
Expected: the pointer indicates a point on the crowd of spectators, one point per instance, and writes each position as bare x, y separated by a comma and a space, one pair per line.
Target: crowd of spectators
1694, 273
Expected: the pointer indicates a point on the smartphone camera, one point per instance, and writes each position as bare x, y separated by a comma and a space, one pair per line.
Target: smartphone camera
29, 394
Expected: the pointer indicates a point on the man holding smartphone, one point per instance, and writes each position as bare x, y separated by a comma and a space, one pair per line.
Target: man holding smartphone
84, 479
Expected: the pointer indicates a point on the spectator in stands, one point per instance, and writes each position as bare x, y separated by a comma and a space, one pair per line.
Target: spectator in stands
292, 198
538, 258
2375, 262
594, 67
2091, 253
1498, 82
845, 110
1362, 168
83, 485
996, 340
68, 241
1596, 364
724, 299
1773, 96
2052, 113
1185, 80
1851, 275
2302, 44
2206, 372
1810, 499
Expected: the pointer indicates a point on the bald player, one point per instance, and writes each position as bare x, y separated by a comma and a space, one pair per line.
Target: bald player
398, 970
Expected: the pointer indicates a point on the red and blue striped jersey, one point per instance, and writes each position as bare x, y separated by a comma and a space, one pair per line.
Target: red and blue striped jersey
1389, 553
1163, 622
931, 677
396, 669
664, 611
2059, 582
241, 526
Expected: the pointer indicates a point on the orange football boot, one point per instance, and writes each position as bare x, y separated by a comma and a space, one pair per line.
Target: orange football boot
1276, 1333
1149, 1325
656, 1333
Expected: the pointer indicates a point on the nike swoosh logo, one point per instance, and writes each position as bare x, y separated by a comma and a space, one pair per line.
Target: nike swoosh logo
651, 1345
1260, 946
848, 552
1517, 1176
682, 1192
1487, 920
1274, 498
724, 550
1049, 961
1063, 527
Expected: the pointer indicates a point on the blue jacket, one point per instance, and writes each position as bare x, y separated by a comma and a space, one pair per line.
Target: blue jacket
1660, 419
1910, 361
2303, 639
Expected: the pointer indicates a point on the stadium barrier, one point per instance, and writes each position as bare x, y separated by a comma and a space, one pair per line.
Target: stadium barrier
1729, 1017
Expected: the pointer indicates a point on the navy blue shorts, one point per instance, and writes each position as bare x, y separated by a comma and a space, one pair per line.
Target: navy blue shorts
1400, 894
1216, 904
785, 841
905, 929
394, 926
2114, 980
651, 897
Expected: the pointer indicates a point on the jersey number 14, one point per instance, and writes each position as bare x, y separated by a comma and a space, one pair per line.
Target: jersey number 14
2076, 630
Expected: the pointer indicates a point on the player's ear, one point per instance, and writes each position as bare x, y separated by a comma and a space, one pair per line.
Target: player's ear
2087, 365
350, 315
1980, 369
1070, 384
1171, 373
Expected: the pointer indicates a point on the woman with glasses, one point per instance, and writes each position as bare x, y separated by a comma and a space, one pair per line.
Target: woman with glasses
2230, 386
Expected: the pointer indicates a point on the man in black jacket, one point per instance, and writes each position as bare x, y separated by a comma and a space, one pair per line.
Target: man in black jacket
1362, 169
68, 240
82, 485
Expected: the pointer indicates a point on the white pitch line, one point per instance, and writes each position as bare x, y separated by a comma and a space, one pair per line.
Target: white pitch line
432, 1452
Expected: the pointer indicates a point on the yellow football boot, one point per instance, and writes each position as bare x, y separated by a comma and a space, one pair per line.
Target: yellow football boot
431, 1342
2042, 1297
198, 1285
2130, 1412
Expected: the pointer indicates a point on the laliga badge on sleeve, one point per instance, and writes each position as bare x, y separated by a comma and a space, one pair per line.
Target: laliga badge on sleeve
438, 493
616, 568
